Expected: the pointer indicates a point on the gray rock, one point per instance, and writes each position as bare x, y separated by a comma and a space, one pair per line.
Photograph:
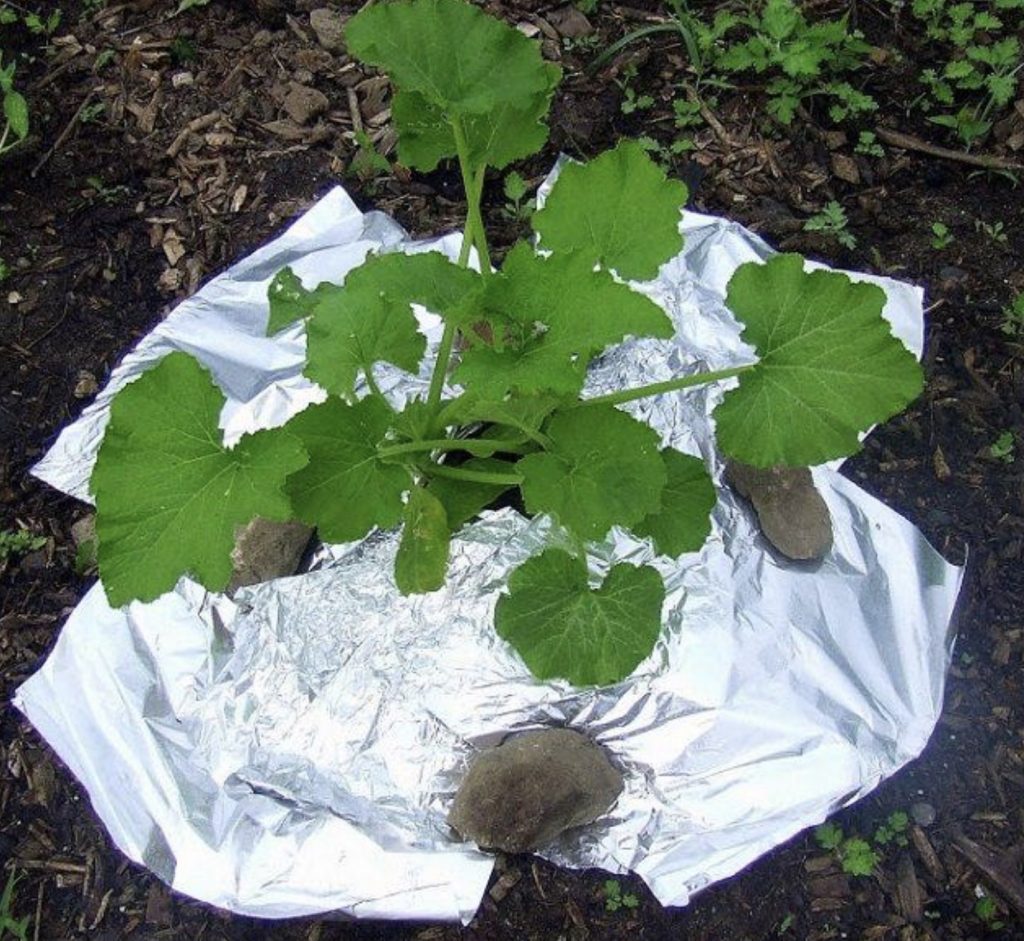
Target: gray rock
571, 22
792, 514
84, 530
922, 813
303, 103
520, 795
329, 26
265, 550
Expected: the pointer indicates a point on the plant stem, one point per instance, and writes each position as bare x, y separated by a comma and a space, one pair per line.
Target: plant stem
473, 185
437, 377
483, 446
473, 233
657, 388
478, 477
372, 384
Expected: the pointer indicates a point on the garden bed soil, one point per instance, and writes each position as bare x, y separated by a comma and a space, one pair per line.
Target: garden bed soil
203, 149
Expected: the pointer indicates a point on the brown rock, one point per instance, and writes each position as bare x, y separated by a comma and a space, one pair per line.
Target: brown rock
265, 550
303, 103
792, 514
520, 795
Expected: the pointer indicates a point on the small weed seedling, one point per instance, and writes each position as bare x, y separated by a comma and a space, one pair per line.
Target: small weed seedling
992, 230
91, 114
40, 27
503, 410
517, 207
806, 60
1003, 448
615, 898
867, 144
1013, 317
856, 856
9, 925
17, 542
941, 236
15, 109
894, 830
5, 271
987, 912
367, 163
832, 221
631, 101
983, 60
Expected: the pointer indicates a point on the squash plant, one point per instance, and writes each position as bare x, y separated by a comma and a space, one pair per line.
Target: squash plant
505, 411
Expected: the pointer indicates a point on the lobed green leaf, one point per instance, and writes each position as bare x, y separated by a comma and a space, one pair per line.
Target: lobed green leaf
683, 522
369, 318
829, 366
619, 210
563, 628
602, 469
554, 315
460, 60
169, 495
496, 138
346, 489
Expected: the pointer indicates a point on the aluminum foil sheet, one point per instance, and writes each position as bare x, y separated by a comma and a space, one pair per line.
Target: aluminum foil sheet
296, 750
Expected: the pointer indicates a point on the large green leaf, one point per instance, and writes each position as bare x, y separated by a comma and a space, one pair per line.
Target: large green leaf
602, 469
369, 318
553, 315
455, 55
422, 560
346, 489
683, 522
496, 138
829, 366
619, 210
169, 495
562, 628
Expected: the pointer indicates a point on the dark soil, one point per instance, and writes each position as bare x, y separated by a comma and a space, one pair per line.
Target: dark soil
110, 215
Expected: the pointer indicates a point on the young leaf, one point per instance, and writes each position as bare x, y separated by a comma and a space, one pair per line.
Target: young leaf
602, 468
169, 495
619, 210
422, 560
829, 365
16, 113
496, 138
346, 489
683, 522
447, 51
369, 319
559, 313
561, 628
290, 301
464, 499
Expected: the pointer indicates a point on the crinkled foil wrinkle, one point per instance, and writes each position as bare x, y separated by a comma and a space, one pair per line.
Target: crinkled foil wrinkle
296, 750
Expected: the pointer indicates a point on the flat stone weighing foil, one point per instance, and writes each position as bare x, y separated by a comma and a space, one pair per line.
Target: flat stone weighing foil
296, 751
